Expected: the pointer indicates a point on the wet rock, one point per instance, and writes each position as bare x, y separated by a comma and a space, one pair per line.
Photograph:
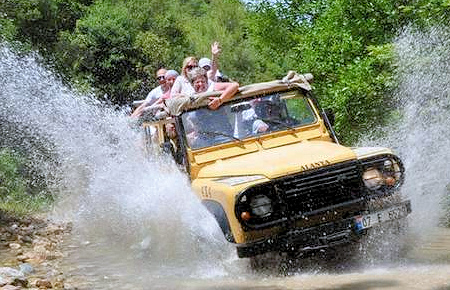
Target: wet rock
22, 257
59, 283
27, 239
30, 257
53, 255
14, 246
11, 276
6, 272
44, 284
26, 268
33, 246
10, 287
53, 229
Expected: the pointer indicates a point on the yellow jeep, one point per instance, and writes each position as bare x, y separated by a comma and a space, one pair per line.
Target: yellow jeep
270, 169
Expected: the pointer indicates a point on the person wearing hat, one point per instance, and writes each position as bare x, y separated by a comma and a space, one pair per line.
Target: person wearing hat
159, 106
212, 67
158, 94
170, 76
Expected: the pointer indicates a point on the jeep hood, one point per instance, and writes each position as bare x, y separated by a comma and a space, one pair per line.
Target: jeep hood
280, 161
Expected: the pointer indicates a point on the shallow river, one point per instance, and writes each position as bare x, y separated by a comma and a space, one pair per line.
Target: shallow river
425, 266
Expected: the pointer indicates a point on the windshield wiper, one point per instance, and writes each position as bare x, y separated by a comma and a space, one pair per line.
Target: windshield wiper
216, 133
278, 123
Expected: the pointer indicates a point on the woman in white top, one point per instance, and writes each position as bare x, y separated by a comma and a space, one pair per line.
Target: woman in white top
182, 84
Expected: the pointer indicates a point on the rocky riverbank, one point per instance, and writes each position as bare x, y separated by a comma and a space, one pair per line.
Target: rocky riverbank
30, 253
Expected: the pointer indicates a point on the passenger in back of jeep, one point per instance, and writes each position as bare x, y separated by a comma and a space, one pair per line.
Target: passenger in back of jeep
207, 124
182, 84
154, 94
212, 66
199, 80
159, 105
172, 145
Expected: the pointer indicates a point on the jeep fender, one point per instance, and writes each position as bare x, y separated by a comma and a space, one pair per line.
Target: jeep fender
218, 212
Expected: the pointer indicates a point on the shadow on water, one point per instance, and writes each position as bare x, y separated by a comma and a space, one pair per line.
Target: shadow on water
368, 284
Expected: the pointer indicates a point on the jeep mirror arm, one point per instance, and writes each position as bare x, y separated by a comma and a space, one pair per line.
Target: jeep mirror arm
329, 122
330, 115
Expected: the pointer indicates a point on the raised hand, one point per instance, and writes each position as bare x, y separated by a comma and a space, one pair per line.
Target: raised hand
215, 48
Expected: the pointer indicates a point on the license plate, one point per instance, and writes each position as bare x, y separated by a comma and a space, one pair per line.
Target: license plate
370, 220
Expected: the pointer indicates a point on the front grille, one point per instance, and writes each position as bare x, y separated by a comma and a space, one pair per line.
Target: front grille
307, 194
318, 189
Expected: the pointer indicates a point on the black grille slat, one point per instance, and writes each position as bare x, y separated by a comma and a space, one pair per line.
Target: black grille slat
324, 172
319, 189
332, 179
308, 187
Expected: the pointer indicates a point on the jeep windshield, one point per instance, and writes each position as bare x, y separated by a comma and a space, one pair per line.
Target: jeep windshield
247, 118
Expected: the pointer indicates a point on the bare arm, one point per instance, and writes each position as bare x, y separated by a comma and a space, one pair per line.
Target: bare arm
176, 88
215, 51
139, 110
228, 91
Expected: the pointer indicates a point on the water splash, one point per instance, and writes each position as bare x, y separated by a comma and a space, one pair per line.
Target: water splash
424, 95
131, 212
419, 135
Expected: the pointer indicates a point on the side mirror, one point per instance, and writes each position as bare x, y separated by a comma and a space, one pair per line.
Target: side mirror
167, 147
330, 115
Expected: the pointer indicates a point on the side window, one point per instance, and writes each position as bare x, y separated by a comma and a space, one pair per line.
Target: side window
299, 109
151, 135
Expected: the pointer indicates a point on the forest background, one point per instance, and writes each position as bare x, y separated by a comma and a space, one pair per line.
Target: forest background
114, 47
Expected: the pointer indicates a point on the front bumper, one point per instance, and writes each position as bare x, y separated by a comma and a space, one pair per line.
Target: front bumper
324, 235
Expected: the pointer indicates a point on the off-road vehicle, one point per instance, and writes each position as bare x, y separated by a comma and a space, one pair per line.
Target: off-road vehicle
268, 166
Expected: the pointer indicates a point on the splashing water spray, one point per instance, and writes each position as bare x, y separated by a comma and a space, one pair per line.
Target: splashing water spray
127, 209
420, 134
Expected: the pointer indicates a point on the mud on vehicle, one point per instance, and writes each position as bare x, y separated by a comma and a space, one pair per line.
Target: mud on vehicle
269, 168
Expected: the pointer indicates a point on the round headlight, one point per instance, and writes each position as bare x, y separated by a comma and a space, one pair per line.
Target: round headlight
392, 172
261, 206
373, 179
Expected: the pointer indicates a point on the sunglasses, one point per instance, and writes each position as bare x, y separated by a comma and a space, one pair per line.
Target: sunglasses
160, 78
189, 67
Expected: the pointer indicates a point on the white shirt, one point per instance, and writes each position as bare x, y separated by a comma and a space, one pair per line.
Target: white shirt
154, 94
211, 85
182, 86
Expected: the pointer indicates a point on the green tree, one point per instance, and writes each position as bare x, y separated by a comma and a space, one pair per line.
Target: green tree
15, 195
116, 44
39, 22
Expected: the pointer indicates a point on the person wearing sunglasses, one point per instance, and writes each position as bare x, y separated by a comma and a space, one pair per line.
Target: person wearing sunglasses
158, 108
182, 84
154, 94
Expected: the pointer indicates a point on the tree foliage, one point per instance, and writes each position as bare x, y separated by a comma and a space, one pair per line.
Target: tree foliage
347, 45
116, 46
